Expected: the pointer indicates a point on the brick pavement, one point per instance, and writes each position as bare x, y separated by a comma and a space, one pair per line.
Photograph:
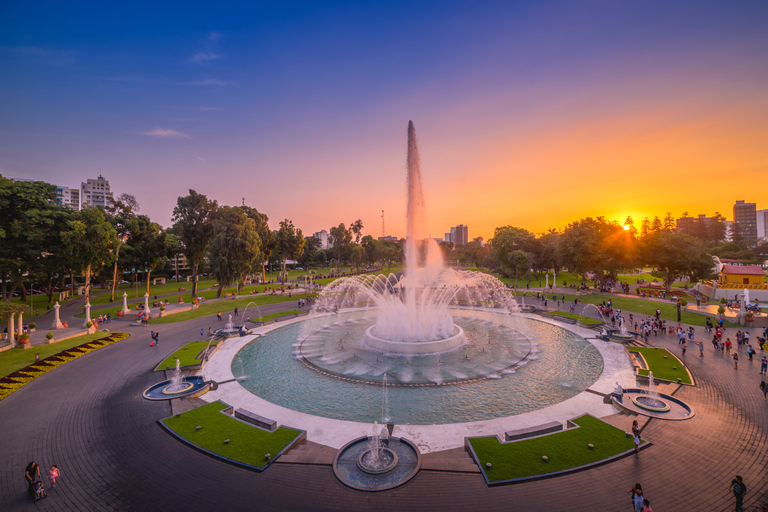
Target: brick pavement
89, 418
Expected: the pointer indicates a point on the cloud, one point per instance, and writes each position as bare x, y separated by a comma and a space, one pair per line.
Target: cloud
204, 57
163, 133
200, 158
39, 53
214, 37
208, 81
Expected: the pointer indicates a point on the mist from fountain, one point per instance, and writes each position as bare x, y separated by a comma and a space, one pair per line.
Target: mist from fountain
177, 380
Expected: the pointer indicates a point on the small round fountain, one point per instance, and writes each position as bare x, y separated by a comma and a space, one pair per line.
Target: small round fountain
231, 330
377, 462
177, 386
622, 335
649, 402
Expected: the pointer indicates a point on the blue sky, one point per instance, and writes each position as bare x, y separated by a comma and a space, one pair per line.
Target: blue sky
302, 108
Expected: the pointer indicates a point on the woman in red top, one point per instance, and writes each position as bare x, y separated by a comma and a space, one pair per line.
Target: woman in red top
727, 345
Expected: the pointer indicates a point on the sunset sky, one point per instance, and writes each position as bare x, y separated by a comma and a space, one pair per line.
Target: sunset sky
532, 114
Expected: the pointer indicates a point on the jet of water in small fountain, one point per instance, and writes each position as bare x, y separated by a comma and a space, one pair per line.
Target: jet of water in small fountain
385, 403
229, 326
622, 327
177, 379
652, 386
374, 446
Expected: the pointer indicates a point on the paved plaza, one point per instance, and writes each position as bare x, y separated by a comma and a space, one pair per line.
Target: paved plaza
89, 418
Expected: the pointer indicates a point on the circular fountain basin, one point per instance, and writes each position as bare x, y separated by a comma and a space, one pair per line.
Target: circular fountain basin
411, 347
663, 406
183, 387
347, 468
194, 387
387, 462
651, 403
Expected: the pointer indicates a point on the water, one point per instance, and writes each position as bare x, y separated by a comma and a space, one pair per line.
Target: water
177, 380
385, 417
258, 310
229, 326
268, 368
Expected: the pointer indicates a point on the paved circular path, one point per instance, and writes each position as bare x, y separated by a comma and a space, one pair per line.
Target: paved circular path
88, 417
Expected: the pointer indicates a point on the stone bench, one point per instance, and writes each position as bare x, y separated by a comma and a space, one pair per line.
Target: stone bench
255, 419
523, 433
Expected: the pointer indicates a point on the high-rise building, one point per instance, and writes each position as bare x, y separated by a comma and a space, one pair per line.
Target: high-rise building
96, 193
68, 196
762, 225
322, 235
461, 234
388, 238
745, 223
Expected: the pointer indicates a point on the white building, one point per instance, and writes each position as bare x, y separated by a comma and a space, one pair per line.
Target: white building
762, 225
96, 193
323, 237
68, 196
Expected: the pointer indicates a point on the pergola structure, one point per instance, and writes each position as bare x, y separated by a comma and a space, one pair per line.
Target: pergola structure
10, 311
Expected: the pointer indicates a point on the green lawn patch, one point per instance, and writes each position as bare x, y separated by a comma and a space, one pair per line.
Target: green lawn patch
276, 315
16, 359
225, 306
187, 355
662, 368
583, 319
247, 444
566, 450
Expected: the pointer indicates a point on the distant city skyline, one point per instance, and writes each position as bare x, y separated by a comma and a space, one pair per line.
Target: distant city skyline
528, 114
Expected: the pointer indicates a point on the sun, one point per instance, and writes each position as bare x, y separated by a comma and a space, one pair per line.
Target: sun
626, 227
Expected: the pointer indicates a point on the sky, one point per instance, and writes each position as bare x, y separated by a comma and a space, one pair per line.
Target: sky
531, 114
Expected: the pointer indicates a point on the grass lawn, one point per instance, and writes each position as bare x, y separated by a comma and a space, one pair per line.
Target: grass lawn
583, 319
16, 359
645, 307
187, 355
247, 444
567, 449
662, 368
276, 315
211, 308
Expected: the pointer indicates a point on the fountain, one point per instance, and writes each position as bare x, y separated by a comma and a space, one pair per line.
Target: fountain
419, 315
652, 400
623, 335
231, 330
178, 386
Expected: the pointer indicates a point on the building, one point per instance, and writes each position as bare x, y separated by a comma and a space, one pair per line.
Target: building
762, 226
745, 223
388, 238
460, 235
322, 235
96, 193
741, 275
68, 196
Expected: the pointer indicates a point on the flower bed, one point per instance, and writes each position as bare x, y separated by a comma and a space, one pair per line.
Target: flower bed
21, 377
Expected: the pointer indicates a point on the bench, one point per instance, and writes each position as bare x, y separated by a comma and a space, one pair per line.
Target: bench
255, 419
523, 433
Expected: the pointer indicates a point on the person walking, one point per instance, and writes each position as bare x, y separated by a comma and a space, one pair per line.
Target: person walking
764, 389
636, 435
218, 316
201, 333
157, 339
739, 490
637, 488
735, 360
235, 311
53, 474
685, 345
764, 366
31, 474
701, 348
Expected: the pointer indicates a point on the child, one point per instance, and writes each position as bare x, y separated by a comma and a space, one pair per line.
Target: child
39, 490
53, 474
647, 505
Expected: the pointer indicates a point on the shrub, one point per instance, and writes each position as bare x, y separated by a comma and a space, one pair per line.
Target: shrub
162, 308
721, 310
722, 300
684, 302
23, 339
89, 325
32, 325
49, 335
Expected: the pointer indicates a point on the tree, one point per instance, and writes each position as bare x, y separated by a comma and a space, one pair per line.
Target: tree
645, 227
357, 256
311, 251
173, 246
672, 254
357, 229
518, 260
290, 243
669, 222
508, 239
268, 242
148, 243
597, 245
92, 240
193, 217
656, 225
235, 247
340, 238
121, 211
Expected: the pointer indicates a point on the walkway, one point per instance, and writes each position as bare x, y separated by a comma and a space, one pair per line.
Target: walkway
88, 418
